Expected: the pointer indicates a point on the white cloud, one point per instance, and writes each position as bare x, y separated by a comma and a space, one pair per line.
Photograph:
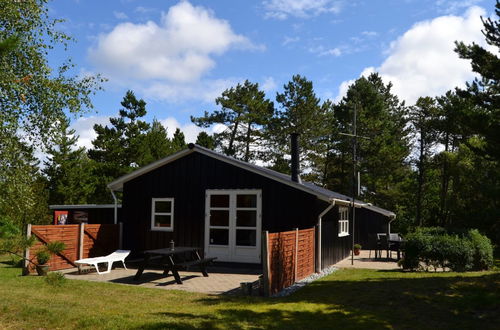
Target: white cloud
422, 62
120, 15
190, 130
171, 55
369, 33
84, 128
289, 40
269, 84
205, 90
322, 51
282, 9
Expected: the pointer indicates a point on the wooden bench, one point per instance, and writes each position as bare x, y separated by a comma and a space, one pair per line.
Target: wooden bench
200, 262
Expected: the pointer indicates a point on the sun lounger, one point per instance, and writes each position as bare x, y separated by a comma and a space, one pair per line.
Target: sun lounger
118, 255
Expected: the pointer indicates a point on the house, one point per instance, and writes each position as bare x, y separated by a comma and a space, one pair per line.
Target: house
84, 213
198, 197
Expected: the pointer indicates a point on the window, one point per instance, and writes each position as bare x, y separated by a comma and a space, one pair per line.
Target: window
162, 214
343, 221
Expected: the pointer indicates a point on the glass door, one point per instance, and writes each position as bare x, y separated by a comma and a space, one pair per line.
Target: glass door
233, 225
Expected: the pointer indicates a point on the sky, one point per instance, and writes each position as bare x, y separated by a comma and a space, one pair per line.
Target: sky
180, 55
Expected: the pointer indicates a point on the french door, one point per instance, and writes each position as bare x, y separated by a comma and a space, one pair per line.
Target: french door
233, 221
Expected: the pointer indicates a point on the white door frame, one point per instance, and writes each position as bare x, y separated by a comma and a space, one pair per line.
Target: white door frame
247, 254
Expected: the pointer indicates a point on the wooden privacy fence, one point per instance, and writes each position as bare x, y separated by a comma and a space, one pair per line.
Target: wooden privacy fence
288, 257
81, 241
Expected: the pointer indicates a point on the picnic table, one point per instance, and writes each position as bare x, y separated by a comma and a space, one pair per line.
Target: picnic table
173, 260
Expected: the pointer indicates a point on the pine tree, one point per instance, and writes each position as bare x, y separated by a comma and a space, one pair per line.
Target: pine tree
423, 117
68, 170
205, 140
117, 148
244, 111
156, 145
178, 141
381, 156
299, 112
484, 119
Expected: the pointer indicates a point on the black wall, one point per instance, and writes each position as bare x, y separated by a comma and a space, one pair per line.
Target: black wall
186, 179
333, 247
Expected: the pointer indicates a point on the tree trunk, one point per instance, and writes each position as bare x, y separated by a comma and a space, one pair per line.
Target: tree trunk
247, 149
420, 180
233, 136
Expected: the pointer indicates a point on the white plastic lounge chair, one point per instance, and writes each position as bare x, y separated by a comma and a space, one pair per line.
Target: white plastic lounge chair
118, 255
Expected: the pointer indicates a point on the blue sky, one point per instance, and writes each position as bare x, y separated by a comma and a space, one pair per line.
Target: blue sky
179, 55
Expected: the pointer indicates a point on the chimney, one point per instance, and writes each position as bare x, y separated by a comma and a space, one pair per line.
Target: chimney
295, 157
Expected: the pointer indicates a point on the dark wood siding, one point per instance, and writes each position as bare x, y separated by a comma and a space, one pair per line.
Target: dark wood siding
367, 224
333, 247
186, 180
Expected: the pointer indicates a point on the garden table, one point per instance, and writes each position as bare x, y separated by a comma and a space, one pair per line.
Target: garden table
172, 260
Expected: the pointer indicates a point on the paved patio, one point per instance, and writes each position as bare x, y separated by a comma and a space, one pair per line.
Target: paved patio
365, 260
223, 279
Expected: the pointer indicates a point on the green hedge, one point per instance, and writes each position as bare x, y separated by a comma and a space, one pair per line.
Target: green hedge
434, 247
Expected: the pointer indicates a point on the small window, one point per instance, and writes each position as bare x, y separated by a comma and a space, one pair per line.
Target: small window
162, 214
343, 221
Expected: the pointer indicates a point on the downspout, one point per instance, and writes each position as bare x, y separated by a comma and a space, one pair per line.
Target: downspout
389, 224
115, 207
318, 244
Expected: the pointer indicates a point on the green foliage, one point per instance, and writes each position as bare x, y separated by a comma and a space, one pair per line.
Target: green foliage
68, 170
244, 111
34, 95
299, 111
23, 195
156, 145
55, 247
357, 246
435, 247
205, 140
484, 92
55, 279
116, 149
381, 155
483, 250
42, 256
178, 141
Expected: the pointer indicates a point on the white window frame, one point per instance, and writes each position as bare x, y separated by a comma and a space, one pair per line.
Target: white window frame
171, 214
343, 229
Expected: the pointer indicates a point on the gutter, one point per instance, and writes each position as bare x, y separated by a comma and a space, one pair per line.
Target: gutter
115, 206
318, 244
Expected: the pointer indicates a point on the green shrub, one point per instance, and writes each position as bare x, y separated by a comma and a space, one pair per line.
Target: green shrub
458, 253
42, 256
482, 250
55, 279
434, 247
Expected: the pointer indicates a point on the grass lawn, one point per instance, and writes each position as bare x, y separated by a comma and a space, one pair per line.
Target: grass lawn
351, 299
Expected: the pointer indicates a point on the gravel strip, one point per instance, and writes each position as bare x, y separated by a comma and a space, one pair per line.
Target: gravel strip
302, 283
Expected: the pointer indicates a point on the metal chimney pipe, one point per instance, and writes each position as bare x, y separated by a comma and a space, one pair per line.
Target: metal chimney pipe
295, 157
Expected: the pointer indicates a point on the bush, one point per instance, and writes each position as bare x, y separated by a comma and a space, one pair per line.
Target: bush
434, 247
482, 250
55, 279
42, 256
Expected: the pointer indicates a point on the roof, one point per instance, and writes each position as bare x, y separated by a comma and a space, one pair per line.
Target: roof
83, 206
319, 192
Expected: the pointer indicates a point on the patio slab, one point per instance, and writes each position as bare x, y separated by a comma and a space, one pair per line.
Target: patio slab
365, 260
221, 280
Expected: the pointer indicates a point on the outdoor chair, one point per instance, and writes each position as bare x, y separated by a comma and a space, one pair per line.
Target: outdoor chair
384, 244
374, 245
118, 255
